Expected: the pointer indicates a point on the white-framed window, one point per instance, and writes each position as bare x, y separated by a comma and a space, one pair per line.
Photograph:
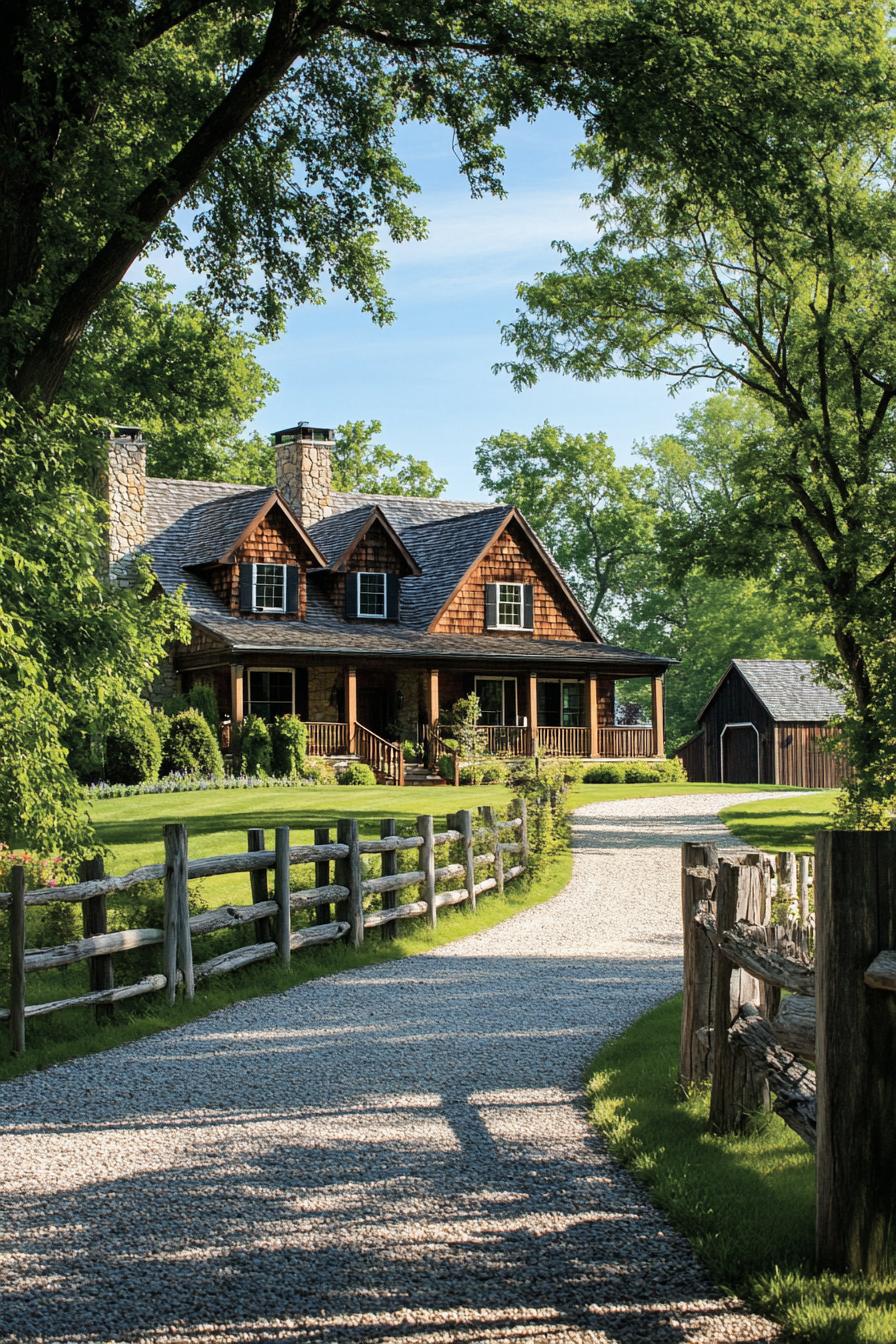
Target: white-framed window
510, 606
271, 692
497, 700
372, 595
269, 587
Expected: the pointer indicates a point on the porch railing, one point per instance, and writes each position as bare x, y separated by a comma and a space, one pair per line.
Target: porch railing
436, 747
385, 759
327, 739
564, 741
627, 742
506, 740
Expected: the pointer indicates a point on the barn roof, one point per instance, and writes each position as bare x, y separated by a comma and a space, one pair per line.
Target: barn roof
788, 688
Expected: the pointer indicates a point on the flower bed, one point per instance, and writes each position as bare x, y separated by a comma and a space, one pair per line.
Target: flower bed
178, 783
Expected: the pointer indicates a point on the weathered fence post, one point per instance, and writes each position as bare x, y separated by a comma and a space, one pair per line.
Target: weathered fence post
855, 911
491, 820
175, 880
349, 875
281, 894
699, 865
465, 826
17, 960
737, 1090
428, 867
804, 889
258, 885
101, 973
388, 868
322, 875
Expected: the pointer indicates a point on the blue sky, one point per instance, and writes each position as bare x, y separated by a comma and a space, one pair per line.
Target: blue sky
428, 377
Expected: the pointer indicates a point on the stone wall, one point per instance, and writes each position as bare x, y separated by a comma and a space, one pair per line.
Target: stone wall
124, 488
305, 476
324, 682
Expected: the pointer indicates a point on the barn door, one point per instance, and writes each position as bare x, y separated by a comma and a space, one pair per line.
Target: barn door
740, 754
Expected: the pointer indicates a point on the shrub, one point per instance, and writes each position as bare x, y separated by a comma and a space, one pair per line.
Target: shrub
133, 750
39, 872
203, 698
356, 773
672, 771
255, 750
495, 772
642, 772
610, 773
289, 745
446, 768
318, 772
191, 748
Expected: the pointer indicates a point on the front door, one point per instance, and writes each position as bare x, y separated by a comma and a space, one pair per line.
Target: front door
376, 702
740, 754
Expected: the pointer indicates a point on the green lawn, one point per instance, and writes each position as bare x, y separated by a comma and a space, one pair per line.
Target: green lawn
778, 824
746, 1204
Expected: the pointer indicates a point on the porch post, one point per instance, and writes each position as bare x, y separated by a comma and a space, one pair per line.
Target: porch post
533, 713
236, 694
593, 722
432, 697
351, 705
659, 726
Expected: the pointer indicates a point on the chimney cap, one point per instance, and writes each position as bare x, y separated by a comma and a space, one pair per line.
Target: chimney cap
303, 431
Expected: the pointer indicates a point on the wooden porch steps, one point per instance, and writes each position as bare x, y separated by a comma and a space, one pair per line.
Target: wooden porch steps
417, 775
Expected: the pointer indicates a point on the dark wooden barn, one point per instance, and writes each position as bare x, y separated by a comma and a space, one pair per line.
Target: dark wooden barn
767, 722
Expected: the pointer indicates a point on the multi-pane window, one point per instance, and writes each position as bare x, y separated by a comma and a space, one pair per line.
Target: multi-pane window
510, 605
269, 587
271, 693
372, 595
497, 700
561, 704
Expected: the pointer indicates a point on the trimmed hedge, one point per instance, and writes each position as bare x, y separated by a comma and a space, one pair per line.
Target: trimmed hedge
289, 745
191, 748
356, 773
132, 750
255, 748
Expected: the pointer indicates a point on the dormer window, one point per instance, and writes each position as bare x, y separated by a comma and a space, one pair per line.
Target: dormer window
269, 587
508, 606
371, 596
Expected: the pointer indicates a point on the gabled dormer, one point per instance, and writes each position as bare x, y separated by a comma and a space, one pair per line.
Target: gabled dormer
365, 576
513, 587
257, 564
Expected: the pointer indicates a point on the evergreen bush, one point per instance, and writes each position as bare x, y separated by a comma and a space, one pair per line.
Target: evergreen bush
191, 748
608, 773
289, 745
132, 748
255, 748
202, 697
356, 773
642, 772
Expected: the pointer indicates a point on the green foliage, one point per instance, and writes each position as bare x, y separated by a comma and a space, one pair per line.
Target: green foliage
70, 642
289, 745
773, 277
133, 750
58, 924
191, 747
202, 697
412, 751
356, 773
597, 518
610, 773
180, 371
254, 746
361, 464
471, 740
642, 772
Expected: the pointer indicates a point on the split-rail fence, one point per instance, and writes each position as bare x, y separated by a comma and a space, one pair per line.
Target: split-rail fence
487, 853
838, 971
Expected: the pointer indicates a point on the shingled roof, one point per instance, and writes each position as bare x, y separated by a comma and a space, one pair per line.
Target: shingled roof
789, 690
190, 522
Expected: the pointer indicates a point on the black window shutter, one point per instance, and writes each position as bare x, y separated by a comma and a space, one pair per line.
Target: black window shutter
246, 594
393, 592
351, 596
528, 608
491, 606
292, 588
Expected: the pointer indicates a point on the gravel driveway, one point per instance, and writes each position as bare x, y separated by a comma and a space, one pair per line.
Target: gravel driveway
396, 1153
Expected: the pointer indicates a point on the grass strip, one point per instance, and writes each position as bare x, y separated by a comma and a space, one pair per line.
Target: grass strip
746, 1204
777, 824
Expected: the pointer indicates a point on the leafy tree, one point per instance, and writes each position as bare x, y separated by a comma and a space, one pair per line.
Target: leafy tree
69, 641
775, 280
361, 464
184, 374
597, 518
466, 715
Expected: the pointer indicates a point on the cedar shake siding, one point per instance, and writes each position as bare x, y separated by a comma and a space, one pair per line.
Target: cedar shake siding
272, 542
510, 559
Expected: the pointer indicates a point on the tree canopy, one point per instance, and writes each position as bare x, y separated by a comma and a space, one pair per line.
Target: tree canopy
361, 464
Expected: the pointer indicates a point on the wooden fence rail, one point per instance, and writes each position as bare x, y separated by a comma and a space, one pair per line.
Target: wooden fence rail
340, 882
841, 1013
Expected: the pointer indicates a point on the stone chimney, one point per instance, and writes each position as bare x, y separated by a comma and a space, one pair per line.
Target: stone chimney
304, 471
124, 489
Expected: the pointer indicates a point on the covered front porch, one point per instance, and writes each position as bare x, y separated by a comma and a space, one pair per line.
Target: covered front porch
368, 709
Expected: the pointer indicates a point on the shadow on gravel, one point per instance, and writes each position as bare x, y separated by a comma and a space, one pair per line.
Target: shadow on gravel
392, 1154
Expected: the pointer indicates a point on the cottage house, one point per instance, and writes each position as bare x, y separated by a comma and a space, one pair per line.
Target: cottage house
370, 615
768, 721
